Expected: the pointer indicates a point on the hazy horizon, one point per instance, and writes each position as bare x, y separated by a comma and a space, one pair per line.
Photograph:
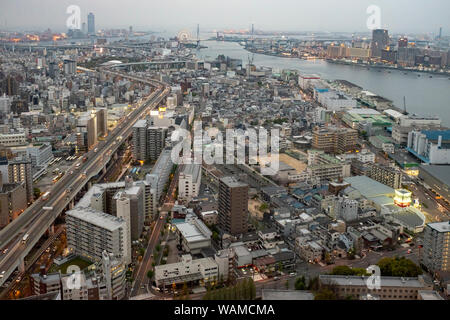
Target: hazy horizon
400, 16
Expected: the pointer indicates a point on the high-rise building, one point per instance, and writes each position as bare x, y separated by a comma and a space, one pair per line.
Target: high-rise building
148, 141
380, 40
140, 140
70, 67
233, 206
102, 121
130, 205
19, 170
156, 137
87, 133
91, 23
436, 240
90, 232
13, 201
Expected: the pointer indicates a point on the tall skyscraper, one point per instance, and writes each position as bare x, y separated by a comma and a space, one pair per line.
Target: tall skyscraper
436, 256
91, 23
233, 206
380, 40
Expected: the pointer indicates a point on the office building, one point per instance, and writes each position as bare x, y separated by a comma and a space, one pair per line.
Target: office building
193, 235
334, 140
389, 176
233, 206
200, 271
189, 182
13, 139
392, 288
90, 232
40, 155
436, 241
380, 40
91, 23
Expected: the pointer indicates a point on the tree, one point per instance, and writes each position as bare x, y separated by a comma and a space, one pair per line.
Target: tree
150, 274
158, 247
398, 267
313, 284
36, 192
325, 294
347, 271
300, 283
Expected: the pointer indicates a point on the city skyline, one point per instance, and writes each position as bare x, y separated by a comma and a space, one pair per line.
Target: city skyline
287, 15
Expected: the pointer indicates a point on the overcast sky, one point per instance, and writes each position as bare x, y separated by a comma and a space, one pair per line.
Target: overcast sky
401, 16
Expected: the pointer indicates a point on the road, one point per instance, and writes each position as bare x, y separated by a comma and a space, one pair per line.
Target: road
35, 220
146, 263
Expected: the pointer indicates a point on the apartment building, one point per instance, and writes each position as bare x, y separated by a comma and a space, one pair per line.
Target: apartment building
90, 232
436, 241
334, 140
389, 176
233, 206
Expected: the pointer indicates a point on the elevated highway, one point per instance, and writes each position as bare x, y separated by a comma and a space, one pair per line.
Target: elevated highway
40, 216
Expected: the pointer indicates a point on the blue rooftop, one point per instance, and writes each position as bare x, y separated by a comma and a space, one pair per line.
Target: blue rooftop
434, 134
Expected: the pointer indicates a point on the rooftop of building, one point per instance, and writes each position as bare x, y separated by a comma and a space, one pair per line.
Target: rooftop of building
368, 187
440, 226
362, 281
97, 218
441, 173
434, 135
275, 294
232, 182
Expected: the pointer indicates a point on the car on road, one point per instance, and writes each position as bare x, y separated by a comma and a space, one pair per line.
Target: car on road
409, 251
18, 279
5, 251
2, 274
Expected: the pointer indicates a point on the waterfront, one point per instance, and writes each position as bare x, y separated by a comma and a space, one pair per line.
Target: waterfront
424, 95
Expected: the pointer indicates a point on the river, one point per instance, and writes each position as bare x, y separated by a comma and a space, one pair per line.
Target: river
424, 95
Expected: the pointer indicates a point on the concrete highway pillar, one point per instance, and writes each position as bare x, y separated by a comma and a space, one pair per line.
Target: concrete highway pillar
115, 156
22, 265
71, 204
89, 185
104, 170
